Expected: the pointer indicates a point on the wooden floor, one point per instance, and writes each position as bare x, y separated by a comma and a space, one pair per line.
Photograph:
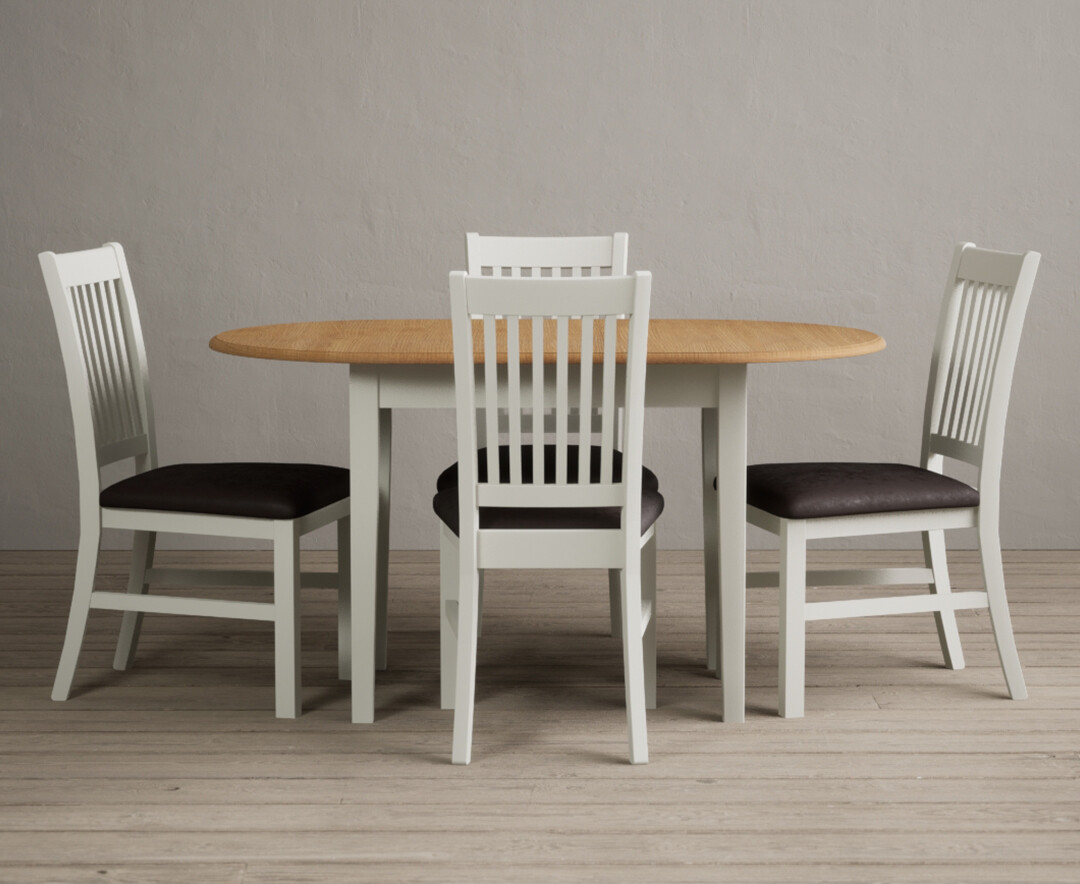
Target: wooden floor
177, 771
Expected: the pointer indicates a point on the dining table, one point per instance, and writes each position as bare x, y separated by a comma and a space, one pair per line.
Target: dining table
700, 364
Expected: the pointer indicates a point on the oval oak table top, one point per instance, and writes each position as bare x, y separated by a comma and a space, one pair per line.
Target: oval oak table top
429, 341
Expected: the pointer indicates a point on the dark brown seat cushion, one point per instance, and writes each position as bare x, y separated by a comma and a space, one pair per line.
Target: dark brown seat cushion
821, 490
445, 502
252, 490
448, 476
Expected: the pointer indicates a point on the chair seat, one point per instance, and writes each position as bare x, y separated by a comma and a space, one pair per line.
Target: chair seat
822, 490
449, 476
250, 490
445, 502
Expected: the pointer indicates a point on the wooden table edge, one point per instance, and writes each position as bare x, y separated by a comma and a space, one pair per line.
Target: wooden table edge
873, 343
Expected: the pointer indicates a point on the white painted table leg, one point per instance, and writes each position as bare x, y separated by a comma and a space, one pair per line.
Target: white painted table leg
382, 564
709, 504
344, 539
731, 517
364, 460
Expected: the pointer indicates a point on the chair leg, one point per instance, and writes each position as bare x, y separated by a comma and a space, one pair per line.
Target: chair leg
465, 687
286, 620
479, 603
994, 578
792, 675
648, 596
614, 601
633, 662
142, 558
382, 569
448, 602
948, 635
85, 568
344, 599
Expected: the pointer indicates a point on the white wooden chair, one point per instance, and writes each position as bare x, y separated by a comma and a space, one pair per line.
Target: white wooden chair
108, 384
971, 373
537, 257
581, 511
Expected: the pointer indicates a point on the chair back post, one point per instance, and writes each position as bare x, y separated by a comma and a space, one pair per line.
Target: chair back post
137, 347
1001, 384
465, 395
97, 323
634, 409
971, 370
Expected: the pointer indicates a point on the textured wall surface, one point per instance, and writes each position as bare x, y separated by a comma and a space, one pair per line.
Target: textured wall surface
275, 161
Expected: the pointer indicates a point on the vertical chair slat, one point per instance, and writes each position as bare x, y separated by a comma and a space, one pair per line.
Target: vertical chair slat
1005, 302
955, 359
115, 346
960, 356
978, 311
102, 429
956, 364
513, 383
125, 376
561, 396
538, 399
101, 342
491, 398
607, 406
978, 365
585, 401
132, 367
75, 299
107, 345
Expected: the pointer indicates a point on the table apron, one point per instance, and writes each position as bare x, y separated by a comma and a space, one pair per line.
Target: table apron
432, 386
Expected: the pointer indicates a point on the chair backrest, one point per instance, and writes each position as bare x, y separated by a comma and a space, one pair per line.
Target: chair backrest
533, 256
546, 256
104, 359
527, 353
986, 299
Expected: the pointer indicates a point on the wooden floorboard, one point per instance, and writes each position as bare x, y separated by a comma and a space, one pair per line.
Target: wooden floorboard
177, 771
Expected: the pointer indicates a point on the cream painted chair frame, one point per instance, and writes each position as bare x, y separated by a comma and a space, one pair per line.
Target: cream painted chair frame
971, 373
509, 301
538, 257
109, 387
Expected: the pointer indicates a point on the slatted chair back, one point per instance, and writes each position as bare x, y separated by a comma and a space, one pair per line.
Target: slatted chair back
104, 359
986, 299
503, 324
543, 256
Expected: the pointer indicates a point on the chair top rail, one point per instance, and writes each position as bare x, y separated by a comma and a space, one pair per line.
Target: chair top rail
546, 252
493, 295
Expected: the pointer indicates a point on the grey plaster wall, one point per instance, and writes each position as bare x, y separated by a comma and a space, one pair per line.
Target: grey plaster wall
274, 161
